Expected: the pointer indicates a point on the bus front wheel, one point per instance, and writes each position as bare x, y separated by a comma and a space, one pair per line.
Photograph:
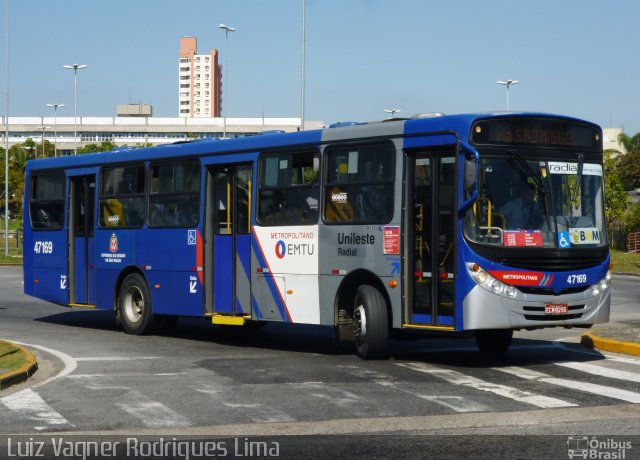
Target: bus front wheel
134, 305
371, 323
494, 342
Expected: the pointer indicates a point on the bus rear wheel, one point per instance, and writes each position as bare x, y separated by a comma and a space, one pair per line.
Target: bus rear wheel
494, 342
134, 306
370, 322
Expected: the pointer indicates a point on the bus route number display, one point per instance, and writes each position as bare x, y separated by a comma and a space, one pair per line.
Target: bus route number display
538, 132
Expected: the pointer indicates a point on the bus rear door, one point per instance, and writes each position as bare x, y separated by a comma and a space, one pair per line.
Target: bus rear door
431, 246
228, 244
82, 192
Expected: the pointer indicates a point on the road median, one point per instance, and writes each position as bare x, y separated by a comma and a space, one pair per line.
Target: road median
17, 364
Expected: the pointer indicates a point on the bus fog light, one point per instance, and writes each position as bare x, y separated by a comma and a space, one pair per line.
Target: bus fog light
510, 291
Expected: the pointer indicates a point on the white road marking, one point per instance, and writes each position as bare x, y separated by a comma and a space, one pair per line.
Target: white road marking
522, 372
621, 359
151, 413
97, 382
601, 390
602, 371
260, 413
116, 358
69, 363
456, 403
457, 378
29, 404
345, 399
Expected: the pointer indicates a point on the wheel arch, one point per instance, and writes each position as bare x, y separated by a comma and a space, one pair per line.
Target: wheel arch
121, 277
346, 293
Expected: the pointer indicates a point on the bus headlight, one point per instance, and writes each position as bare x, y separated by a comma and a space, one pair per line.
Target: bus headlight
603, 285
485, 280
497, 286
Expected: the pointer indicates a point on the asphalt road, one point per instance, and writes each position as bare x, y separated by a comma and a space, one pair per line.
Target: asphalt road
293, 386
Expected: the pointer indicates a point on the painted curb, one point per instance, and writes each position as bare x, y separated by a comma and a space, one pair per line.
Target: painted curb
591, 340
22, 373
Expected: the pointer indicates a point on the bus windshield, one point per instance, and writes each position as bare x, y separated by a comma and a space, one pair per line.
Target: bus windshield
548, 203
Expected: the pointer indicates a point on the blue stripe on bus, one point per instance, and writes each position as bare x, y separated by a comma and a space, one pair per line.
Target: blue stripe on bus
273, 288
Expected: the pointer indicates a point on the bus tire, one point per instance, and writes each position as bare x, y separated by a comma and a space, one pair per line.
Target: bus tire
371, 323
494, 342
134, 305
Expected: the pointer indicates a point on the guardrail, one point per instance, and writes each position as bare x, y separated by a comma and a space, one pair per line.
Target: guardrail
14, 235
633, 242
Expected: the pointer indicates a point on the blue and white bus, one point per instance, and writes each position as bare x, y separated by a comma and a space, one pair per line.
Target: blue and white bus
477, 224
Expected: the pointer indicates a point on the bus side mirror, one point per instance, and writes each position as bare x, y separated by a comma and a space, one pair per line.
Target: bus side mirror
470, 177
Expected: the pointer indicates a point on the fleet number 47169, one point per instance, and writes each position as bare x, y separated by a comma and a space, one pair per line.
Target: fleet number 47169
43, 247
577, 279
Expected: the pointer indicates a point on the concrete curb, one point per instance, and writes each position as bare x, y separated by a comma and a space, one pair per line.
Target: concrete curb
22, 373
591, 340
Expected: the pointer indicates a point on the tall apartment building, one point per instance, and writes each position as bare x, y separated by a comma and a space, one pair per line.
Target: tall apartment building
199, 81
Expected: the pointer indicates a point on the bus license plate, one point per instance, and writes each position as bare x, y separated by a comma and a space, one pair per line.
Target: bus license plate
556, 309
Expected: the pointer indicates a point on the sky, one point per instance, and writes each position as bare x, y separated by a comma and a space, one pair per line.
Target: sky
571, 57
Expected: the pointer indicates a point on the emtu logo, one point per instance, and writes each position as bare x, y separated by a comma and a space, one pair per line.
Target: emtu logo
281, 249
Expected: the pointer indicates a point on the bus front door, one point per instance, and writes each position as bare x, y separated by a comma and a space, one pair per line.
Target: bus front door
228, 258
431, 257
82, 192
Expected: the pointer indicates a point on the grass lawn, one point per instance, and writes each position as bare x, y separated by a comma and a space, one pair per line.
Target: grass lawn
10, 356
625, 263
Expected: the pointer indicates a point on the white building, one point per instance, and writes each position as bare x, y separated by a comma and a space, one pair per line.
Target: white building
610, 139
132, 130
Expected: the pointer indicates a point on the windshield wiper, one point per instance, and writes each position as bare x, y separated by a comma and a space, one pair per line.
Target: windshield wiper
526, 171
577, 191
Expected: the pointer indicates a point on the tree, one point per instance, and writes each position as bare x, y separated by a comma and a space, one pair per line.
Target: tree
629, 142
616, 199
632, 218
104, 146
628, 165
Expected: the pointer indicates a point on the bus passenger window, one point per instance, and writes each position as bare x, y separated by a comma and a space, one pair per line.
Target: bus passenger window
288, 191
174, 194
121, 197
359, 184
46, 201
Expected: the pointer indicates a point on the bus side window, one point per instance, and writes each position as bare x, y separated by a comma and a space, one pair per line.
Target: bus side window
288, 190
122, 197
359, 184
174, 194
46, 201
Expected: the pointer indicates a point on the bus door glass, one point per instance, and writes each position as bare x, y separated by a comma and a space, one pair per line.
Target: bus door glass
432, 259
82, 192
230, 220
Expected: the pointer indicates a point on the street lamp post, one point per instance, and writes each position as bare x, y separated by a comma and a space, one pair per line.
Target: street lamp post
302, 68
55, 126
226, 29
507, 83
6, 140
391, 111
75, 68
42, 128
